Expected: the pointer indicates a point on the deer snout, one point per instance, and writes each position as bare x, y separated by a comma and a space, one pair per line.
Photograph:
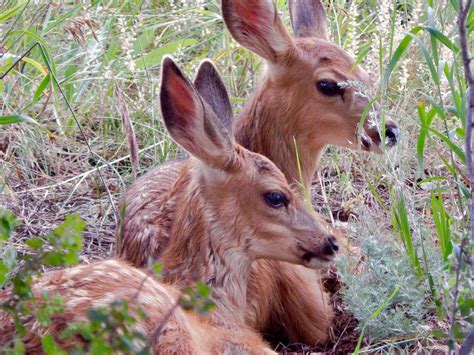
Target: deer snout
391, 133
331, 246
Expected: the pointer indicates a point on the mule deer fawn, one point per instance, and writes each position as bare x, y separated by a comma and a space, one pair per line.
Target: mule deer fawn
298, 99
230, 207
168, 328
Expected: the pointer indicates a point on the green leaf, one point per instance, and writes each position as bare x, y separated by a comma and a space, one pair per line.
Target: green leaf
439, 334
157, 268
420, 146
442, 38
52, 258
203, 289
442, 222
377, 196
68, 85
401, 49
458, 151
8, 222
8, 14
428, 59
3, 273
10, 119
34, 243
155, 56
401, 224
50, 347
35, 64
44, 83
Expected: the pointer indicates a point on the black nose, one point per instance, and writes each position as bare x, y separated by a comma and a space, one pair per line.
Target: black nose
393, 135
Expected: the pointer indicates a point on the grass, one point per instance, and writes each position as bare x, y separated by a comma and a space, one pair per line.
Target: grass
94, 69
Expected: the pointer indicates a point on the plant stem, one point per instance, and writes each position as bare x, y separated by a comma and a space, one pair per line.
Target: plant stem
464, 8
463, 13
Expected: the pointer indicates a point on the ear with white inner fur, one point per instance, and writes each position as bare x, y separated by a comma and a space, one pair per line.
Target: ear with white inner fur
210, 86
191, 122
308, 18
255, 25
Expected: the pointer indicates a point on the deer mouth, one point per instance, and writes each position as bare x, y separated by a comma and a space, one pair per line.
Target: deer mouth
315, 260
370, 142
371, 139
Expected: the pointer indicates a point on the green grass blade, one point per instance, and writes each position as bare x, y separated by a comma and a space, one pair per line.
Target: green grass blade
11, 119
420, 145
10, 13
428, 59
42, 86
400, 217
442, 38
401, 49
442, 223
374, 315
377, 196
458, 151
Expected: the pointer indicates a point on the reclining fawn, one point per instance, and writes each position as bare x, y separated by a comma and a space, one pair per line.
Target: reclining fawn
298, 99
231, 207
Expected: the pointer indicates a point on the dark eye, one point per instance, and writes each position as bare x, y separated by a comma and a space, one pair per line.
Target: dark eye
276, 199
329, 88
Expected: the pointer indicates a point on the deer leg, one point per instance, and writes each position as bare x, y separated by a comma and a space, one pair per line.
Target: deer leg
288, 298
304, 311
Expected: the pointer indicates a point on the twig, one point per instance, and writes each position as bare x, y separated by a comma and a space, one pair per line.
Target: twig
156, 333
464, 8
456, 293
463, 13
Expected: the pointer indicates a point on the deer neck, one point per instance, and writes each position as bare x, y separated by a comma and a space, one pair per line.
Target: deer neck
268, 124
200, 249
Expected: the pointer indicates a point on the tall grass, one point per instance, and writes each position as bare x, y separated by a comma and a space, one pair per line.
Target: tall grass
71, 72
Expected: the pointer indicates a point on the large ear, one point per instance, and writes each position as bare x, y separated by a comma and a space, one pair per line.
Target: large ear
255, 25
191, 122
210, 86
308, 18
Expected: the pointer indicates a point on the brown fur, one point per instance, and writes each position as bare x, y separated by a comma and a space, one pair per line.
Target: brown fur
285, 106
214, 238
99, 285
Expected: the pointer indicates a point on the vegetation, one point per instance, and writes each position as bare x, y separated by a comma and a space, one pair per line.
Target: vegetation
80, 119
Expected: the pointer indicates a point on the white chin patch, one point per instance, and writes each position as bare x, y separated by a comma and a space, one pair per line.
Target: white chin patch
316, 263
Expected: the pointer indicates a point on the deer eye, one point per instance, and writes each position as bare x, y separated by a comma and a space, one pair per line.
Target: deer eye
275, 199
329, 88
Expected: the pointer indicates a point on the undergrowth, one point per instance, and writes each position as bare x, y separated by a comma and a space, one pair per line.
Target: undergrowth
85, 74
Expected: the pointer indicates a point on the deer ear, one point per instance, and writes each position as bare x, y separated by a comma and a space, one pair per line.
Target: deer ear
255, 25
210, 86
190, 121
308, 18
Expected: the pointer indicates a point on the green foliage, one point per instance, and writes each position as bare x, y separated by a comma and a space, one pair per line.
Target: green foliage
197, 298
108, 330
386, 267
15, 119
434, 222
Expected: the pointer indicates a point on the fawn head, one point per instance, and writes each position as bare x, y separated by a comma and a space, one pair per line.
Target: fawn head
249, 199
313, 84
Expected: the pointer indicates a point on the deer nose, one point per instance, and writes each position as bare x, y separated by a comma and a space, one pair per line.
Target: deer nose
392, 134
331, 246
